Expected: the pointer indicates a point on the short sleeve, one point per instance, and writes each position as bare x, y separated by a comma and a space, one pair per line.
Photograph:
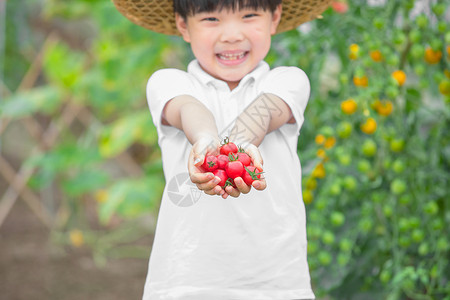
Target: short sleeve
292, 85
164, 85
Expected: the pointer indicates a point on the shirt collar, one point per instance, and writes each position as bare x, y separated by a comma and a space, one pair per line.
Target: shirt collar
195, 69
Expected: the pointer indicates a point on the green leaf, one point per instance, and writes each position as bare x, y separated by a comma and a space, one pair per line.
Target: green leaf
121, 134
63, 66
85, 181
131, 197
44, 99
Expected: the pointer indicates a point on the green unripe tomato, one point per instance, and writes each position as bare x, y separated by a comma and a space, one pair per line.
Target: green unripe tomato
405, 199
399, 38
417, 51
350, 183
415, 35
447, 38
369, 148
345, 159
378, 197
398, 166
393, 60
437, 224
343, 78
385, 276
312, 247
324, 258
344, 129
438, 77
414, 222
417, 235
442, 244
328, 238
335, 189
436, 44
442, 27
431, 208
345, 245
419, 69
365, 225
404, 241
392, 91
388, 210
337, 218
397, 145
403, 224
378, 23
438, 9
423, 249
398, 186
343, 259
422, 21
321, 204
364, 166
327, 131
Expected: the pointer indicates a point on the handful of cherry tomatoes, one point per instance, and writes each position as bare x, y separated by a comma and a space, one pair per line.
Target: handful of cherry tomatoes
232, 162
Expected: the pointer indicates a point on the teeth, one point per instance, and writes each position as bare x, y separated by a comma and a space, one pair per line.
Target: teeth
228, 56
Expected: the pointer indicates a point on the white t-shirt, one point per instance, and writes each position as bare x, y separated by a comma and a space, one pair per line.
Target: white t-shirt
252, 247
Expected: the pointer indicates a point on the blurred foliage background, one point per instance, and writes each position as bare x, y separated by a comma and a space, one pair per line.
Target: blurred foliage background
78, 143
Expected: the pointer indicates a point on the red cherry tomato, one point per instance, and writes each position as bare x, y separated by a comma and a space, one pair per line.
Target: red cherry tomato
244, 158
222, 175
228, 147
210, 163
234, 169
251, 174
222, 161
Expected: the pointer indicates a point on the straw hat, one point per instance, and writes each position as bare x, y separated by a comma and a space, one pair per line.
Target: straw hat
157, 15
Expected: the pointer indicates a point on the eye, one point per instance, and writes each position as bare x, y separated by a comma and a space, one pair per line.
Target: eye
248, 16
210, 19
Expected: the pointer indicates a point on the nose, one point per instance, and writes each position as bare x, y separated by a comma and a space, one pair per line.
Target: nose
231, 33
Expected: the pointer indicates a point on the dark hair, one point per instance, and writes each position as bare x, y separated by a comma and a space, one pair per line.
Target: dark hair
190, 7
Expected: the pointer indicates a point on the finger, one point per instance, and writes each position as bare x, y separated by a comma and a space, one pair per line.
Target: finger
254, 153
231, 191
209, 185
259, 184
241, 186
201, 178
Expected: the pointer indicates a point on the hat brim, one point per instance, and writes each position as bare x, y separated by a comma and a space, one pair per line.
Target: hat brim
158, 16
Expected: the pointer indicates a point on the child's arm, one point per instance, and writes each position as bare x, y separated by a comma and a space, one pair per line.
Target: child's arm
264, 115
267, 113
198, 124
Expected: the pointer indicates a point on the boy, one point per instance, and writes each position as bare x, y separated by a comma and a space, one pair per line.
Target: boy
254, 246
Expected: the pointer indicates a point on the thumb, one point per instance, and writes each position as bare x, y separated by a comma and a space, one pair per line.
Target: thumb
198, 159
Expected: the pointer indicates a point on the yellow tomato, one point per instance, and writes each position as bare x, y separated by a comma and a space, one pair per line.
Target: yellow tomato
320, 139
330, 142
361, 81
431, 56
307, 196
319, 171
349, 106
321, 153
383, 108
444, 87
354, 51
399, 76
376, 55
76, 238
370, 126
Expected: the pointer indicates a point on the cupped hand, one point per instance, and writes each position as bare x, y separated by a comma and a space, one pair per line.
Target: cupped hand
241, 186
206, 182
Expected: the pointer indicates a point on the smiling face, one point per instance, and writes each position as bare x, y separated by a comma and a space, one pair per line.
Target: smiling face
229, 44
